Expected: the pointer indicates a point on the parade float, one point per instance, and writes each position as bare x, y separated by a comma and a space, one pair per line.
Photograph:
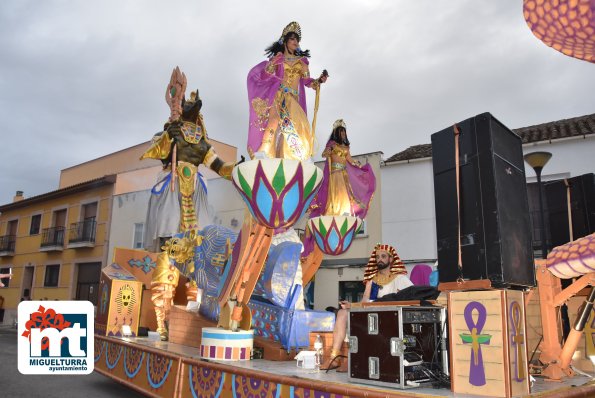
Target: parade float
234, 325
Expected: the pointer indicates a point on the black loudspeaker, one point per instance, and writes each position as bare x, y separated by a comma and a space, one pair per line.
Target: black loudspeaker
496, 241
582, 208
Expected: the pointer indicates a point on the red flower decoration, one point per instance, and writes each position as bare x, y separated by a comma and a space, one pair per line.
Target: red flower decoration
43, 319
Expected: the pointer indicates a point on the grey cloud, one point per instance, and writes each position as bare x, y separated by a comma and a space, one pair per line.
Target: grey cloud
79, 80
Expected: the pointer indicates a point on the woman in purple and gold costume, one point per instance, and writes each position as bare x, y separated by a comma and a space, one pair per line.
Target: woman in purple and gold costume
347, 187
279, 127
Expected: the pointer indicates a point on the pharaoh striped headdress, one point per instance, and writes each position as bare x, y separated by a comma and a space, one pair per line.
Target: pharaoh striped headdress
396, 267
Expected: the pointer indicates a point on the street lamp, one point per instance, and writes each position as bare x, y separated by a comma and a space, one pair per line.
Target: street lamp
537, 160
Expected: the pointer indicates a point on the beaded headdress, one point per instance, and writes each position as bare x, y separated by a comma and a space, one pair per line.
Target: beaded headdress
339, 123
292, 27
396, 266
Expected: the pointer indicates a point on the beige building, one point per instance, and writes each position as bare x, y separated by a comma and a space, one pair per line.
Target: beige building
56, 243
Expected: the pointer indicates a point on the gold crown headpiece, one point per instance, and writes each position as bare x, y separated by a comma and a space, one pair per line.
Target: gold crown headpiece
339, 123
292, 27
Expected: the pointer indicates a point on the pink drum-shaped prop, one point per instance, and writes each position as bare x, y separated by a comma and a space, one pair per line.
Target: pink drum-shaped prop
277, 191
334, 234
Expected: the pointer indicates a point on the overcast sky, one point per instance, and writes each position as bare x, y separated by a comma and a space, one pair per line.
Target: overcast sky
81, 79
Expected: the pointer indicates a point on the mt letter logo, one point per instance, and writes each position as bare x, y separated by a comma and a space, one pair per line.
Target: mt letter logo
55, 337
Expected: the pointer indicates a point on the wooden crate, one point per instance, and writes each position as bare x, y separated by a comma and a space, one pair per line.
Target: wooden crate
120, 295
488, 350
139, 263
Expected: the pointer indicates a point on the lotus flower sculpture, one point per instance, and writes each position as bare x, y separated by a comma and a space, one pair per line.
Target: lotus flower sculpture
334, 234
277, 191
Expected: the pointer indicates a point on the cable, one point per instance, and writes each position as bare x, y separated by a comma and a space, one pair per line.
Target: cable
535, 350
330, 365
433, 369
580, 372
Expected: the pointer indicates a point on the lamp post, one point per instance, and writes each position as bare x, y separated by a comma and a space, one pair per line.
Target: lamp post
537, 161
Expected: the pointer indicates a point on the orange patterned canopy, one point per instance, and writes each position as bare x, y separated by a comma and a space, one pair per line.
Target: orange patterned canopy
567, 26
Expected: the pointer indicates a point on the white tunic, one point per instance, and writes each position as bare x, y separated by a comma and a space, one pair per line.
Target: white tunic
399, 283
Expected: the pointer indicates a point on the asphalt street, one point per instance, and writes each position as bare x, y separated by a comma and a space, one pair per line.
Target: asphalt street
15, 384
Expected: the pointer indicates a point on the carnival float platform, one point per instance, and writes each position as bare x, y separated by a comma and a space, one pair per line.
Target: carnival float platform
164, 369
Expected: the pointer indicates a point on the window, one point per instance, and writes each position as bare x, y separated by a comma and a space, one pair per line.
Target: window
352, 291
52, 274
89, 211
35, 224
139, 229
60, 218
11, 228
363, 230
54, 236
5, 281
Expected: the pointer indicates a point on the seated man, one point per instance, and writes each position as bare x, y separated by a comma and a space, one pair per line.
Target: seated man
384, 274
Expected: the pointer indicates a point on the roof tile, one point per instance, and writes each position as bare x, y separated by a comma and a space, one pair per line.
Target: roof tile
577, 126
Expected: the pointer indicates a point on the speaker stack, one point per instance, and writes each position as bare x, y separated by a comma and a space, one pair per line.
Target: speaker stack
491, 207
578, 194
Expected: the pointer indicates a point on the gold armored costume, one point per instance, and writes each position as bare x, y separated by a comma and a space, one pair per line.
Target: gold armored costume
288, 134
163, 285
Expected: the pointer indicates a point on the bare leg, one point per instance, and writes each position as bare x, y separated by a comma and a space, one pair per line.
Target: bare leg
340, 330
339, 333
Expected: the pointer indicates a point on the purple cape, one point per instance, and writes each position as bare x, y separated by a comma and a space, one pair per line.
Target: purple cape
264, 85
363, 185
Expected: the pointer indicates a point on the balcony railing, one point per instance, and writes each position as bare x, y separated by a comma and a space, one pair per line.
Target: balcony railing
82, 232
7, 243
52, 238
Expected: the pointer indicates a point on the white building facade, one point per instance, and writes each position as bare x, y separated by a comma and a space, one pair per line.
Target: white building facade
409, 221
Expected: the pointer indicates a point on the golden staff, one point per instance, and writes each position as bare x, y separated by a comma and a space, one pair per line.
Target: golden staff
174, 96
174, 167
316, 102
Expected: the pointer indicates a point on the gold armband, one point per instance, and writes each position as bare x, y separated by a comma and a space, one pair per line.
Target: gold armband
270, 68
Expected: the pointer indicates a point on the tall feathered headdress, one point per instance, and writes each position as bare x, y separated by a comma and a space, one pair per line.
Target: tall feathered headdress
396, 267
